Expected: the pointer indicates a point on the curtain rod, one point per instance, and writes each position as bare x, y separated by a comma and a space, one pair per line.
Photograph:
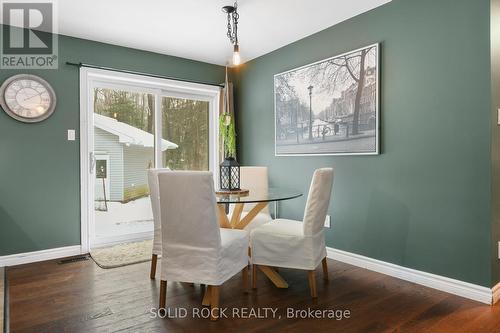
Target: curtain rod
140, 73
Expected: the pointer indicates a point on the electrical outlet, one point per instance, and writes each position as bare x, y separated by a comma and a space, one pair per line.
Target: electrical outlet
327, 222
71, 135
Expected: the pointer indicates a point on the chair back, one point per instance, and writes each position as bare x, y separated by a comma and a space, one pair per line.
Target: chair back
318, 201
154, 195
188, 211
254, 178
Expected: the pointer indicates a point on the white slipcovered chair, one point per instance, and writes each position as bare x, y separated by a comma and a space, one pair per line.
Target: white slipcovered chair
297, 244
154, 195
255, 179
194, 248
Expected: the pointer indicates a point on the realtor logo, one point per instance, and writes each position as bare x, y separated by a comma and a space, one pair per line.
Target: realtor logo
29, 36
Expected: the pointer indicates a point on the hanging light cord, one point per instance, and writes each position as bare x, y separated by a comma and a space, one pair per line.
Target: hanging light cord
232, 27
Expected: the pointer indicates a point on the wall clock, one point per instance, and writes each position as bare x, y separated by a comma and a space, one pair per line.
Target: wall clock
27, 98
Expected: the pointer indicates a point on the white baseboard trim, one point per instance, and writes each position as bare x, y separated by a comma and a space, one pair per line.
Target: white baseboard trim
452, 286
496, 293
29, 257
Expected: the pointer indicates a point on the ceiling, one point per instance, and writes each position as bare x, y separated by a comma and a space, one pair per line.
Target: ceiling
196, 29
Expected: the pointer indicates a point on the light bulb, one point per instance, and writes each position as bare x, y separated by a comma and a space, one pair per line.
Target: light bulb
236, 58
236, 55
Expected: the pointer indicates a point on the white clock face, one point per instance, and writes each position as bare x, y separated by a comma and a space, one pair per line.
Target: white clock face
28, 98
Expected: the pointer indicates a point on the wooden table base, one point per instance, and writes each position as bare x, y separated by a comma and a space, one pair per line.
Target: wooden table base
237, 222
275, 278
223, 220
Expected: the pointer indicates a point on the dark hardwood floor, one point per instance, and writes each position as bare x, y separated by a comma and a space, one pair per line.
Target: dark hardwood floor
81, 297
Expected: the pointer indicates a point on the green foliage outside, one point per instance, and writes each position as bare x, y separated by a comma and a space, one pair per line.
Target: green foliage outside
185, 122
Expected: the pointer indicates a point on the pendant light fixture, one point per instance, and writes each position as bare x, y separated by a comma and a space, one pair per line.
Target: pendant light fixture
232, 30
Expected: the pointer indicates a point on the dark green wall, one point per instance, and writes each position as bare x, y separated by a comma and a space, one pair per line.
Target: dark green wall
495, 138
39, 169
425, 202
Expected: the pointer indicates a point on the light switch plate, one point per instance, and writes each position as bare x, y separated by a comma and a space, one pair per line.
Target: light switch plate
498, 250
71, 135
327, 222
498, 117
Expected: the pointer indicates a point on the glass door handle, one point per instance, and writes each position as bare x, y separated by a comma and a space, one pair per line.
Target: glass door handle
92, 161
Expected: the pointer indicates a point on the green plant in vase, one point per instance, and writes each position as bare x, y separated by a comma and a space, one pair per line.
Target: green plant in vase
229, 168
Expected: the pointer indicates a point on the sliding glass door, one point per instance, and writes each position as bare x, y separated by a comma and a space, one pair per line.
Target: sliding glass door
131, 124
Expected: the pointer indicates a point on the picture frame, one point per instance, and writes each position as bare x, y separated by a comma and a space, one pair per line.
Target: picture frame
345, 119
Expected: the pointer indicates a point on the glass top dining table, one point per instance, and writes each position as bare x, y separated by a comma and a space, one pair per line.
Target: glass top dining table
259, 200
259, 196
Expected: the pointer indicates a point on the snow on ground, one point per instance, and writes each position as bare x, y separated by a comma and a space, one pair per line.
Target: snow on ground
124, 218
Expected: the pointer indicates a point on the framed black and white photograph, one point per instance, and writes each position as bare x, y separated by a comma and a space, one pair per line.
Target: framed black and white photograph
330, 107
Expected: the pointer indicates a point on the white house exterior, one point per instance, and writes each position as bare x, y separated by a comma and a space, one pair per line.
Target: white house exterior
125, 153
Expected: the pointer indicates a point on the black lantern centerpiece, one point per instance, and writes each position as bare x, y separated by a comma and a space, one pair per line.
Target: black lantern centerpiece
230, 174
